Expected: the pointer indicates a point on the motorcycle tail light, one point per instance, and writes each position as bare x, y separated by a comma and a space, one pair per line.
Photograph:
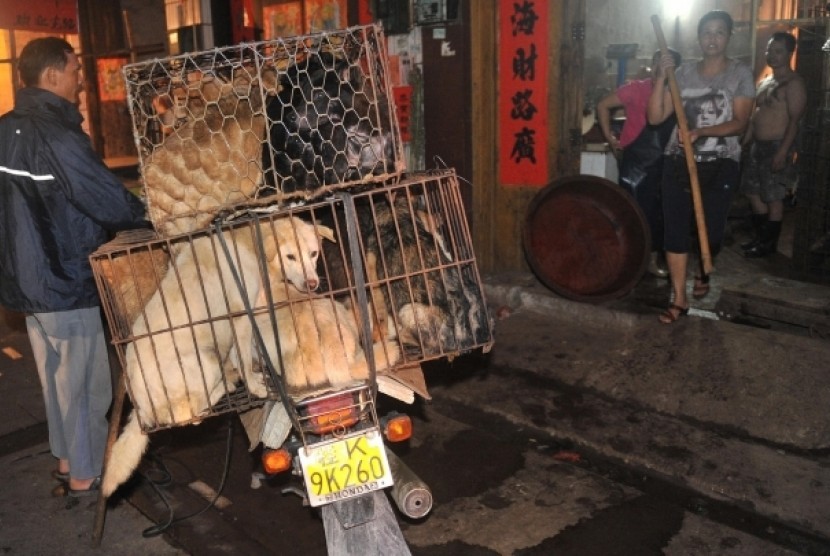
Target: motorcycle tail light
398, 428
332, 413
276, 461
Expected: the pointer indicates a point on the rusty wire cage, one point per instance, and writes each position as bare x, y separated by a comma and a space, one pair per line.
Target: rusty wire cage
258, 123
337, 290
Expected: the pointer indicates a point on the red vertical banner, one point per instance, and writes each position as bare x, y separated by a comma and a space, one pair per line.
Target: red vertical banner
242, 21
364, 12
523, 92
403, 107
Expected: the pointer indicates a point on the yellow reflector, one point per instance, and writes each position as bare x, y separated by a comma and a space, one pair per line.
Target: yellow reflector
276, 461
398, 428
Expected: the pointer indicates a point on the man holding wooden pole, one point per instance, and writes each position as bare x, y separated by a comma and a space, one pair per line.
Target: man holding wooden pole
716, 95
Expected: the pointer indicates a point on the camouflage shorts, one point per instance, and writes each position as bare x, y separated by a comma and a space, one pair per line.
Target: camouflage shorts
758, 177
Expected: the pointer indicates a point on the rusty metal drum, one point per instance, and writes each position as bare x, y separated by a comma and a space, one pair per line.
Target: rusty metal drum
586, 239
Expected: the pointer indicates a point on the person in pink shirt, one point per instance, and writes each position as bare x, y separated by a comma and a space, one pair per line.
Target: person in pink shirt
639, 150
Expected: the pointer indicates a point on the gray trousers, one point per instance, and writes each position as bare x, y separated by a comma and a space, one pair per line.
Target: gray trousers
72, 361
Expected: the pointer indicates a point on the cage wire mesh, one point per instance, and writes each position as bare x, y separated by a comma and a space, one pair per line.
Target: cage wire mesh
811, 236
259, 123
335, 299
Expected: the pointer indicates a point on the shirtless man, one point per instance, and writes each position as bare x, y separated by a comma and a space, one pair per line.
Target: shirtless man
770, 169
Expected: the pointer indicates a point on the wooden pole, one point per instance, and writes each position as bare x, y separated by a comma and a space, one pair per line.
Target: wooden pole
114, 425
688, 150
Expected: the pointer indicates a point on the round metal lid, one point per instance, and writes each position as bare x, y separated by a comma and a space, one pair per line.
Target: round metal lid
586, 239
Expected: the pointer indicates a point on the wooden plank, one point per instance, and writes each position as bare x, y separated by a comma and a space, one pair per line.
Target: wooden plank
777, 299
484, 128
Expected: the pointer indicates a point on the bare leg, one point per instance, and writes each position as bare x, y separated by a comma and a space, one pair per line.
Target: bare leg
677, 263
775, 211
758, 206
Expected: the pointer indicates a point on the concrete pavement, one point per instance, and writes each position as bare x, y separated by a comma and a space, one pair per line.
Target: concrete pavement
32, 521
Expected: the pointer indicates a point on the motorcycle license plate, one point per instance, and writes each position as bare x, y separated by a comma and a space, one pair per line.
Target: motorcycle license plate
345, 468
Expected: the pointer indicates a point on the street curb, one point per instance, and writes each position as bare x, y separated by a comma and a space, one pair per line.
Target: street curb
517, 297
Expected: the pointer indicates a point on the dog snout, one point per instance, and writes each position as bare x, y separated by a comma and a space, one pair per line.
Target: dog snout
312, 284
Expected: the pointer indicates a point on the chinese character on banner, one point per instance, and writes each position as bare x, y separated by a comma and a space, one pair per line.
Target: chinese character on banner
523, 92
56, 16
403, 106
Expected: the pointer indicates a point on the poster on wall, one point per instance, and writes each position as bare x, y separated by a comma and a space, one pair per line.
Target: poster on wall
523, 92
56, 16
325, 15
111, 85
283, 20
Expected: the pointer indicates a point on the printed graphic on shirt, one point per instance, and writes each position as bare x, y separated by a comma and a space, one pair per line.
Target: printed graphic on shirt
706, 108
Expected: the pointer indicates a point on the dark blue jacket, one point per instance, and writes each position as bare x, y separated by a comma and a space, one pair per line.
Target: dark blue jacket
58, 203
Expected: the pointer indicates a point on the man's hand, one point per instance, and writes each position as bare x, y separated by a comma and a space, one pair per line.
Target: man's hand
662, 69
779, 161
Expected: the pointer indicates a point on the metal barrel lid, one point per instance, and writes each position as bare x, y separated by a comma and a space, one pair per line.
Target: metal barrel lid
586, 239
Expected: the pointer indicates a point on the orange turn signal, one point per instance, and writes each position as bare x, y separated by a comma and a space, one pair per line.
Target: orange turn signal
398, 428
276, 461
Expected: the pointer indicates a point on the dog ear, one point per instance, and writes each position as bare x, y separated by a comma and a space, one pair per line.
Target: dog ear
326, 233
269, 246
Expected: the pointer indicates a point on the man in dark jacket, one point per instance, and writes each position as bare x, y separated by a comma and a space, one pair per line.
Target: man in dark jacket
58, 203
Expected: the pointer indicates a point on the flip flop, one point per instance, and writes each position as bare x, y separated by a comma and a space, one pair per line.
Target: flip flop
92, 490
63, 490
673, 313
58, 476
701, 287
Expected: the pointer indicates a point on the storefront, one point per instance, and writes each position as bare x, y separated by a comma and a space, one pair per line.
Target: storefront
20, 22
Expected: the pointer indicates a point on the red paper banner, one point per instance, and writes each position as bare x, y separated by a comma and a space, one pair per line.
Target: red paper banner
403, 106
53, 16
523, 92
243, 28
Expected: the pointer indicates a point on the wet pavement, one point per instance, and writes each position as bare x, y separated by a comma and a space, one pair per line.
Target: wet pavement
589, 429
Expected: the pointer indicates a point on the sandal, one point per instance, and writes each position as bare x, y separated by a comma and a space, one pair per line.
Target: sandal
92, 490
701, 287
59, 476
673, 313
64, 489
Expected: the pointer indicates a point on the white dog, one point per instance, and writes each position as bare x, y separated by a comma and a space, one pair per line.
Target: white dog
318, 341
189, 335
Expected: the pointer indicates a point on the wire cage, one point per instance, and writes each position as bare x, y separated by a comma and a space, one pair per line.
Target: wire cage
295, 301
282, 120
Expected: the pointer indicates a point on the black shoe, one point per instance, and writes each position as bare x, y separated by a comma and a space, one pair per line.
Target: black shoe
750, 244
760, 250
758, 222
768, 242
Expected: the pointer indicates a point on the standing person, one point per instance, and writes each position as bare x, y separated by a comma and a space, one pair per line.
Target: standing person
770, 169
640, 150
58, 202
724, 118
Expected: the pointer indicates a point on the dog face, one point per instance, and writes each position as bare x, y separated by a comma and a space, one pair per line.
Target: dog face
294, 248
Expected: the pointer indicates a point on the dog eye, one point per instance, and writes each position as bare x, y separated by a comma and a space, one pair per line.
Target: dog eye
314, 254
292, 257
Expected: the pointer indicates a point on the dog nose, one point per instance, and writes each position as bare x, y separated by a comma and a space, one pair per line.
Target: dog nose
312, 284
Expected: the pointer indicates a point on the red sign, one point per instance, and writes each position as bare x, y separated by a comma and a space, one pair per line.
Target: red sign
403, 106
242, 21
52, 16
364, 13
523, 92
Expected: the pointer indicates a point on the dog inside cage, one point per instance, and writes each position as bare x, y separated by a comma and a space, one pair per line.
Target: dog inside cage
331, 298
326, 126
416, 253
280, 120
